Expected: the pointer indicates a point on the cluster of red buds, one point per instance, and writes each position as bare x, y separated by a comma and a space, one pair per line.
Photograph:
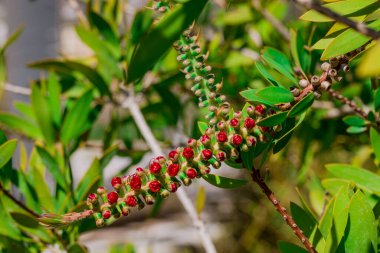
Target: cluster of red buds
164, 175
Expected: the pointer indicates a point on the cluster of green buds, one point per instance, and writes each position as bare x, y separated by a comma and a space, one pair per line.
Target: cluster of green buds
204, 86
164, 175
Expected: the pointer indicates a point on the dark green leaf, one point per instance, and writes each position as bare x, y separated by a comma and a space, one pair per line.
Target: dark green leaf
305, 222
287, 247
104, 28
302, 106
260, 67
141, 23
248, 157
224, 182
300, 56
353, 120
162, 36
377, 100
279, 62
273, 120
375, 142
77, 248
6, 151
25, 219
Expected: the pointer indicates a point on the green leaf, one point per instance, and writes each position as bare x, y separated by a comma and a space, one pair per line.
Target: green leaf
248, 157
306, 222
89, 181
223, 182
12, 38
353, 120
327, 219
162, 36
333, 185
16, 123
356, 130
369, 66
201, 199
287, 247
43, 192
302, 105
54, 100
377, 99
25, 219
362, 233
77, 118
300, 56
348, 41
275, 95
362, 177
141, 23
202, 127
77, 248
42, 114
273, 120
251, 95
6, 151
341, 7
103, 27
279, 62
260, 67
70, 66
375, 142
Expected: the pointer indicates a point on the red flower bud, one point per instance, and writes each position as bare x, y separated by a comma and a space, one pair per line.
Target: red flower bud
221, 156
139, 169
135, 182
237, 139
234, 122
173, 155
116, 182
131, 201
173, 187
206, 154
221, 125
249, 123
155, 186
250, 110
155, 167
173, 169
101, 190
92, 197
191, 173
112, 197
205, 139
191, 142
106, 214
260, 109
222, 136
264, 129
188, 153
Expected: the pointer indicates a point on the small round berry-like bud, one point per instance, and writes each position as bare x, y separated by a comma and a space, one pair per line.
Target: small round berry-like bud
173, 187
234, 122
173, 155
206, 154
186, 62
186, 181
222, 137
124, 179
345, 67
139, 170
92, 197
149, 200
315, 80
106, 214
237, 139
197, 79
116, 182
155, 168
250, 110
210, 131
125, 211
191, 173
164, 193
205, 139
101, 190
188, 153
192, 142
260, 109
221, 125
325, 66
249, 123
332, 72
251, 141
303, 83
131, 201
326, 85
99, 222
295, 92
238, 114
155, 186
221, 156
264, 129
112, 197
135, 182
244, 147
173, 169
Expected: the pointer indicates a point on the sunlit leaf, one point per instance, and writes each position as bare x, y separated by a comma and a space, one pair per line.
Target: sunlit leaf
224, 182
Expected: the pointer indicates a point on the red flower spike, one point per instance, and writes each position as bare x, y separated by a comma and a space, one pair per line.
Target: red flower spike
221, 156
260, 109
249, 123
234, 122
222, 136
173, 169
206, 154
131, 201
155, 168
237, 139
188, 153
112, 197
173, 187
106, 214
135, 182
116, 182
155, 186
173, 155
191, 173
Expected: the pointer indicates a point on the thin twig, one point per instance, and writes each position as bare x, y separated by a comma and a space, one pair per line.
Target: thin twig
359, 27
17, 202
272, 19
145, 130
256, 177
17, 89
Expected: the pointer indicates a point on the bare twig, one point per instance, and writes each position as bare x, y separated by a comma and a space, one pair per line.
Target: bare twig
256, 177
272, 19
145, 130
17, 89
17, 202
359, 27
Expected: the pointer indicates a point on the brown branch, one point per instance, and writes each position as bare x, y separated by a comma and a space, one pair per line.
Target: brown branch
359, 27
256, 177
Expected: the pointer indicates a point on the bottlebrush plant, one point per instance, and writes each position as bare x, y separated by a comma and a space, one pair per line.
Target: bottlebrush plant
254, 105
